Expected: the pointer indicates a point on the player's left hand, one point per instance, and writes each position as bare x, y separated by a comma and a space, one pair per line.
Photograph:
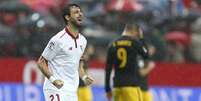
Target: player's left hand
88, 80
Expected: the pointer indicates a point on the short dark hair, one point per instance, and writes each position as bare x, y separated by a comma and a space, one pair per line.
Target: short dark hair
132, 26
66, 11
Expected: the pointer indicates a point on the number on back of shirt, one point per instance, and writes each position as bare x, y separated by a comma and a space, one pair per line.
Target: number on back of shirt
122, 56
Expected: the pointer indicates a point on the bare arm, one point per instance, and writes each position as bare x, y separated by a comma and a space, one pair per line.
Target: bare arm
43, 66
81, 69
146, 70
84, 76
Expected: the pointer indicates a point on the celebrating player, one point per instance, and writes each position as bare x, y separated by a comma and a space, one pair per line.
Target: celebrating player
60, 59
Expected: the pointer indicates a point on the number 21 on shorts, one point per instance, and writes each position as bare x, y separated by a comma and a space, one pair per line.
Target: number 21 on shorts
54, 97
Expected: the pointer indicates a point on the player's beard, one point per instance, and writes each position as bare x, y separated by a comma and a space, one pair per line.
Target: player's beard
75, 23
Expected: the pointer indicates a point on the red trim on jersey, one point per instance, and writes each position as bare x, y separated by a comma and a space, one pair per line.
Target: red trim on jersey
69, 33
62, 35
58, 98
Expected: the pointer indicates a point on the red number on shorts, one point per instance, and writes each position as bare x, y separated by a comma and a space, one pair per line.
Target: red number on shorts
52, 97
58, 97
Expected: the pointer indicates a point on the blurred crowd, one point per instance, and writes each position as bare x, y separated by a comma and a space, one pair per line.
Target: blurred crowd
172, 26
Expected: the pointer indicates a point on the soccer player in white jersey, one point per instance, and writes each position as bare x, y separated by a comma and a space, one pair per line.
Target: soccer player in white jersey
60, 59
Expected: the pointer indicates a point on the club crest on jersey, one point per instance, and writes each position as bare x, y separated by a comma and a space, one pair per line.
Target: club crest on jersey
51, 45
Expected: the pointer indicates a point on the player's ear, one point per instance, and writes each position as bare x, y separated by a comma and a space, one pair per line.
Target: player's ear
67, 17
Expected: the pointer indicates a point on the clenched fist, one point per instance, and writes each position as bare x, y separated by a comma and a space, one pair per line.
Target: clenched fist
58, 83
87, 80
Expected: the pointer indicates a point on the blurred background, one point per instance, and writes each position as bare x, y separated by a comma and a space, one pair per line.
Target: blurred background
172, 26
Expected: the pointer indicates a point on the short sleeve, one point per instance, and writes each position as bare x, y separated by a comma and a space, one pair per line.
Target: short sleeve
85, 43
142, 49
52, 48
84, 40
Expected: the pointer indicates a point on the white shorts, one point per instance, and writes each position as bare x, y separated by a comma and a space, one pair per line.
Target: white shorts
53, 95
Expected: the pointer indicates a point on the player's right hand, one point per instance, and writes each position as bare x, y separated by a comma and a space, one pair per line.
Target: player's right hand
109, 96
88, 80
58, 83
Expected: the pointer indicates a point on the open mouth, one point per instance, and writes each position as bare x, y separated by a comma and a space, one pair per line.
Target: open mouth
80, 19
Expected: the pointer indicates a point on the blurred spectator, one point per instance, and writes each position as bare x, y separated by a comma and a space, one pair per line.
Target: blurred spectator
196, 47
196, 42
6, 23
175, 52
22, 29
43, 6
124, 5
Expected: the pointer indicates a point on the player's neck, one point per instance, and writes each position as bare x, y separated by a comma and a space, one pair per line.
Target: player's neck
129, 33
126, 33
73, 29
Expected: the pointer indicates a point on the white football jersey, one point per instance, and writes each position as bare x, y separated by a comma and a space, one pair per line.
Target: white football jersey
63, 53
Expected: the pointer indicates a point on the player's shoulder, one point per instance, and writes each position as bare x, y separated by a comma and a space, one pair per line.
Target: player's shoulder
82, 37
112, 44
115, 40
57, 37
60, 34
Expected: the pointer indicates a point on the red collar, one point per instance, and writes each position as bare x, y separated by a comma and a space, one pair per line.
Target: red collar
69, 33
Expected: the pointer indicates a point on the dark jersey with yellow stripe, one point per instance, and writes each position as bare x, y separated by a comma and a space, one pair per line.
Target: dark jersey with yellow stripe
144, 79
122, 54
144, 83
